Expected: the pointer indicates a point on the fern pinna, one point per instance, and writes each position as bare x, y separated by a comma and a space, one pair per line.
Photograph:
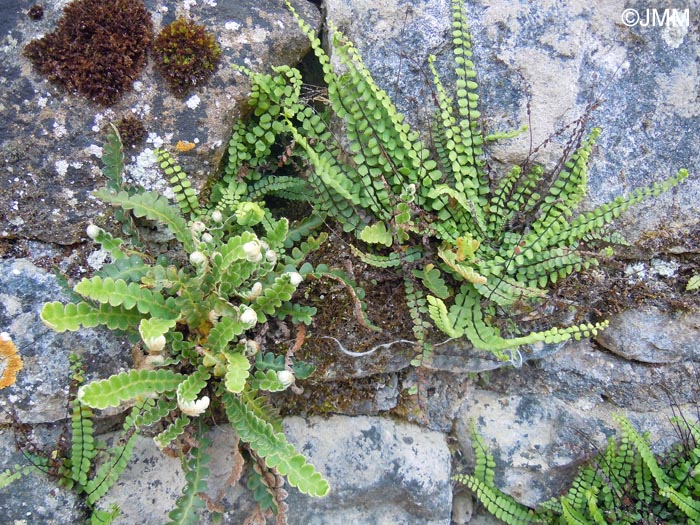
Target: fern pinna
195, 315
624, 484
470, 249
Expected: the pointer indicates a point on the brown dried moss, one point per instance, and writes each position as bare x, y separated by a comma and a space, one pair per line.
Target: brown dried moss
186, 55
131, 131
98, 48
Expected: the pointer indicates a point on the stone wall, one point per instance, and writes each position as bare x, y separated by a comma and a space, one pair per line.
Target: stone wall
538, 63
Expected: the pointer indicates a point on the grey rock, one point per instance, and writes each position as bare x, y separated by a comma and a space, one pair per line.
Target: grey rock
40, 393
543, 420
49, 145
148, 489
652, 336
380, 472
35, 498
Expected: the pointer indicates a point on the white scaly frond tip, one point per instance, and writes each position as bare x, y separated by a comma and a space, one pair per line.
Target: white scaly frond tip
194, 408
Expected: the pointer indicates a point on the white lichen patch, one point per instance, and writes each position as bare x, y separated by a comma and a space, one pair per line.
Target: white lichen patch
11, 304
232, 26
59, 130
61, 167
674, 34
145, 172
664, 268
94, 150
193, 102
155, 139
679, 92
96, 260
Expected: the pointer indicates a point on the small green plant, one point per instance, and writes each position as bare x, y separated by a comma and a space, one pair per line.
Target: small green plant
473, 247
625, 484
195, 316
86, 467
186, 55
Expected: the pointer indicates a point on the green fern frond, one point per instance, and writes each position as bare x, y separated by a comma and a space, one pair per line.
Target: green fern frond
236, 372
109, 472
502, 506
188, 506
129, 295
83, 449
61, 317
185, 196
188, 389
121, 387
273, 448
154, 207
173, 430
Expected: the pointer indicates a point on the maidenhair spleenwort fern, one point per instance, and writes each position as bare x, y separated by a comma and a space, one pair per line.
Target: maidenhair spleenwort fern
625, 485
195, 317
472, 245
87, 467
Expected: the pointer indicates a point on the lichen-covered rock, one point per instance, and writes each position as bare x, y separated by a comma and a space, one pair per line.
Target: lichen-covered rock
147, 491
380, 472
35, 498
40, 393
51, 139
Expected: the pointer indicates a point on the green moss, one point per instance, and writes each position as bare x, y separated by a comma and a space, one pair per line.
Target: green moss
186, 55
97, 49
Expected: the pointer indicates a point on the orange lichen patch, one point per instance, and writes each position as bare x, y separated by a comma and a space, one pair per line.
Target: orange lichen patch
183, 146
10, 361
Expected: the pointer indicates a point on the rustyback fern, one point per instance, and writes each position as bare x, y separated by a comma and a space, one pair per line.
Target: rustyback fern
194, 315
432, 211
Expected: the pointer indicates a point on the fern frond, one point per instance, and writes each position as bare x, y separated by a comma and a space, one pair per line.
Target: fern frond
502, 506
129, 295
273, 447
174, 429
83, 449
113, 391
236, 372
154, 207
185, 195
108, 474
61, 317
113, 159
189, 505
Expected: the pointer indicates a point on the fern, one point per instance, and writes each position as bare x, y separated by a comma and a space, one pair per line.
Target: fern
273, 447
184, 193
510, 238
624, 484
188, 506
154, 207
128, 385
72, 316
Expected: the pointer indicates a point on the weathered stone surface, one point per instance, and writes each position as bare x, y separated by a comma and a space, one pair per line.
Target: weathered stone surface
562, 57
148, 489
381, 472
653, 336
40, 393
542, 420
50, 142
35, 498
